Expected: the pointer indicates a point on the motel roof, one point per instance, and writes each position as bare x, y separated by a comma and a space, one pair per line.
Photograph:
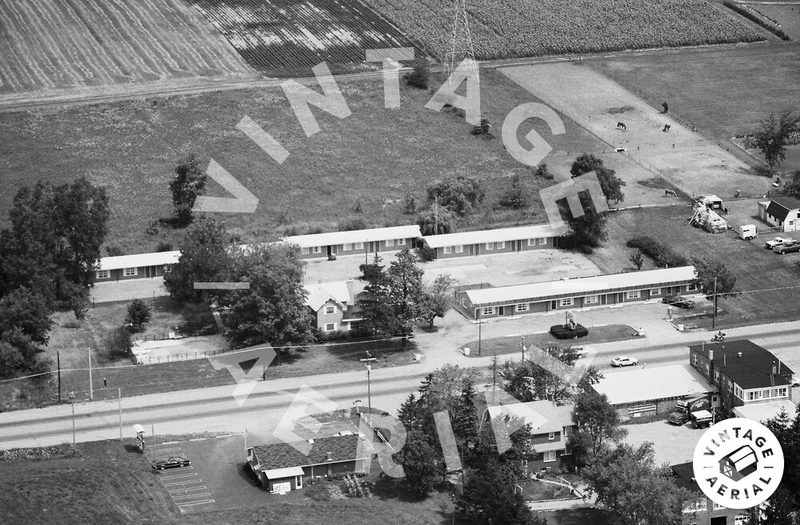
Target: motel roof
354, 236
638, 384
581, 286
138, 260
534, 231
285, 455
745, 363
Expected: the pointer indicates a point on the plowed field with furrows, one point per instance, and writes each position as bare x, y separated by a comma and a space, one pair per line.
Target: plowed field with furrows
296, 34
51, 44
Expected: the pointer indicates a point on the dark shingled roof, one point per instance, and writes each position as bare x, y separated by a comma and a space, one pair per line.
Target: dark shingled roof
684, 476
282, 455
780, 207
752, 369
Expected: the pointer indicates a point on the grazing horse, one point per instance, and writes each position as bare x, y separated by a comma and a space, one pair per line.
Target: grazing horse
666, 128
622, 126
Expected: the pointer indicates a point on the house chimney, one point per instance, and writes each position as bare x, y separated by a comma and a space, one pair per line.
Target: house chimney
710, 354
739, 354
329, 457
774, 369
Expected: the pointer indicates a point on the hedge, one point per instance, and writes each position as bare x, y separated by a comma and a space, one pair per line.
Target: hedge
660, 254
748, 13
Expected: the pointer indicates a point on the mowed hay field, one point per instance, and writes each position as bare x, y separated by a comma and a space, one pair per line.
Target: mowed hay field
520, 28
50, 44
369, 160
291, 36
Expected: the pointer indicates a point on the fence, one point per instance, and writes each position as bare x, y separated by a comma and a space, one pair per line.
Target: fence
170, 358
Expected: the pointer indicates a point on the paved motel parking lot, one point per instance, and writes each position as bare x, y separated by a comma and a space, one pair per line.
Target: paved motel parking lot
673, 444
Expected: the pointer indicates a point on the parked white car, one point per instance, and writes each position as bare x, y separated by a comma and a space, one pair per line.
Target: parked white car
624, 361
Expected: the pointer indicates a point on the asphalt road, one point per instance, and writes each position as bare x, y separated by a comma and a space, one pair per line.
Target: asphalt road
216, 410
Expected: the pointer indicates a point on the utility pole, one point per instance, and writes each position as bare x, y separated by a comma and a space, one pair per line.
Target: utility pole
91, 392
119, 406
369, 392
436, 214
58, 364
522, 344
714, 318
73, 425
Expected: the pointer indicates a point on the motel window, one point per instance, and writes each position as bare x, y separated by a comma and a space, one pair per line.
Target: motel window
655, 291
347, 247
102, 274
389, 242
551, 436
694, 359
316, 249
400, 242
460, 249
448, 249
167, 268
549, 456
633, 294
329, 310
567, 301
541, 241
129, 272
522, 307
490, 246
531, 242
691, 287
501, 245
359, 246
489, 310
330, 327
304, 251
591, 299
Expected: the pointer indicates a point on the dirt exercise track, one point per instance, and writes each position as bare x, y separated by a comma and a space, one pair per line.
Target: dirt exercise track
679, 155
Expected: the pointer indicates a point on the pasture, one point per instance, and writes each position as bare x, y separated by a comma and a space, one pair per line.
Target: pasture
290, 37
56, 44
520, 28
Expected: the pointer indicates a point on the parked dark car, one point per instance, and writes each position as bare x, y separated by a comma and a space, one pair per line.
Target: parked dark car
561, 331
171, 462
669, 299
787, 248
684, 303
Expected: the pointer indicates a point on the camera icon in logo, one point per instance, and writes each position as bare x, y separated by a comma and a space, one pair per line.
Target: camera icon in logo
739, 464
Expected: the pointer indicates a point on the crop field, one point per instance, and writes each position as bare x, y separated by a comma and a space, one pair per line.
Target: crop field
519, 28
291, 35
51, 44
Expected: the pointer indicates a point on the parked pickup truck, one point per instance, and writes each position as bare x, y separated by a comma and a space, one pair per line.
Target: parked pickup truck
777, 241
787, 248
701, 418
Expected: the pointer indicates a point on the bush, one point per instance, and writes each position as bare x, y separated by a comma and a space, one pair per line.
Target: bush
749, 12
113, 250
515, 196
460, 194
660, 254
121, 343
426, 253
152, 227
409, 204
542, 171
419, 75
164, 246
356, 223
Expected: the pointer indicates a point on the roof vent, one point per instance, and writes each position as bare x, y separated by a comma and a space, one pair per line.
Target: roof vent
739, 354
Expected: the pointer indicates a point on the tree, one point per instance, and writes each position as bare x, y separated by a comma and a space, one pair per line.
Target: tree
633, 489
138, 315
779, 508
489, 497
435, 223
773, 135
516, 196
422, 465
788, 434
204, 258
597, 421
792, 186
188, 183
28, 311
273, 309
465, 416
708, 269
20, 355
637, 259
609, 182
587, 231
460, 194
78, 300
404, 281
372, 272
436, 299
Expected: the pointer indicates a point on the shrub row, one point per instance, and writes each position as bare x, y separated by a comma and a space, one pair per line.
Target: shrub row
755, 16
661, 255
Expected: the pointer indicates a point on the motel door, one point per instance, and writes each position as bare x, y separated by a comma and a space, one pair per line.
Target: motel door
518, 246
371, 246
150, 271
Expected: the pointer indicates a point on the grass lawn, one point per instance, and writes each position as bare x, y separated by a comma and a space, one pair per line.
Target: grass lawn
724, 92
579, 517
754, 267
539, 491
511, 345
372, 158
112, 483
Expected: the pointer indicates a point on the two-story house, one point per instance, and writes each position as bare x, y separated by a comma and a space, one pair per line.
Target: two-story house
334, 304
551, 426
701, 510
745, 373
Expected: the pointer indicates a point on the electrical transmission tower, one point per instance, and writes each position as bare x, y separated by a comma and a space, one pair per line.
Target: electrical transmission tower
461, 47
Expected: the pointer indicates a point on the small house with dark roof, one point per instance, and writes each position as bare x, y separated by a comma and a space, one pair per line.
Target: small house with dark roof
282, 467
781, 212
701, 509
744, 372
